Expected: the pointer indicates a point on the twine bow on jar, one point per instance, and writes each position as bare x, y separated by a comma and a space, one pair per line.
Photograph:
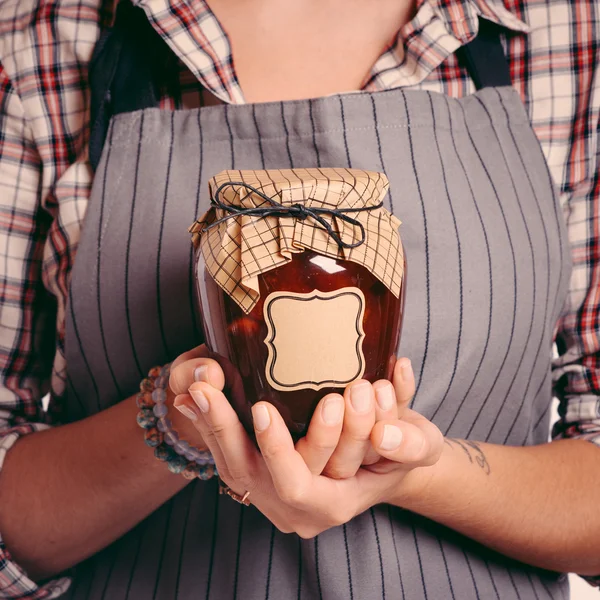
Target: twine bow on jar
295, 211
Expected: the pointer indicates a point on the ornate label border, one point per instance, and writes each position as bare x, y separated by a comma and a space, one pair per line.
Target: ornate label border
307, 297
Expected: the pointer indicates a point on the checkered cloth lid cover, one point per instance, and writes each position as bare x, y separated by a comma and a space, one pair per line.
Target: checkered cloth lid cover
241, 247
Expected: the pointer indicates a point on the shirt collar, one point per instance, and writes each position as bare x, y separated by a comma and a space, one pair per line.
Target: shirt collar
438, 29
193, 32
461, 16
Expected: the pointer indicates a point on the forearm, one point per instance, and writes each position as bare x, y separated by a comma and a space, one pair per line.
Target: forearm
536, 504
67, 492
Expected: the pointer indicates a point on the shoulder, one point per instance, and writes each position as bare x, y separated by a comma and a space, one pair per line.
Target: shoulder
21, 15
45, 48
562, 24
53, 35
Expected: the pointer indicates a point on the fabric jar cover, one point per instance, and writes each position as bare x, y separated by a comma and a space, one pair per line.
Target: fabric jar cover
243, 246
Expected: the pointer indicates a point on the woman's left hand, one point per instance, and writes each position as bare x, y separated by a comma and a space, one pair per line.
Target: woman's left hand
410, 440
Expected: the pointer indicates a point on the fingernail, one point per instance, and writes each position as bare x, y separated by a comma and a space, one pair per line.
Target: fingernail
406, 369
200, 400
332, 410
201, 374
360, 397
186, 411
392, 437
261, 417
385, 397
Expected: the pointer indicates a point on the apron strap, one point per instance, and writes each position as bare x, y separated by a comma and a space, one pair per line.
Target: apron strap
484, 58
125, 72
128, 67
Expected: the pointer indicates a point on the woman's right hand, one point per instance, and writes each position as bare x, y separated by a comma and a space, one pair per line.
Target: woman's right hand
188, 368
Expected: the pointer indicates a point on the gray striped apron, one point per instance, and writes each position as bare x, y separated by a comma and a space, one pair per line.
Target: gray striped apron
488, 267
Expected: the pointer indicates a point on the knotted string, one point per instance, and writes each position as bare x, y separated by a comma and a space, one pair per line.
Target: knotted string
295, 211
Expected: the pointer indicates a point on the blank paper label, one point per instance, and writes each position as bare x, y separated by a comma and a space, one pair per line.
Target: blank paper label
314, 340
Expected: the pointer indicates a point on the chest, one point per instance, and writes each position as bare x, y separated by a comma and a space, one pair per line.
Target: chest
481, 230
305, 49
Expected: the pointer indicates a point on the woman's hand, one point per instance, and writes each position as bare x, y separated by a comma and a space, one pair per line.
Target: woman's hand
373, 418
391, 401
285, 484
186, 369
356, 412
288, 484
410, 440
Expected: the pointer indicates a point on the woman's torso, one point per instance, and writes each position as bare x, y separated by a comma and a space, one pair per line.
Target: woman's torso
488, 265
169, 546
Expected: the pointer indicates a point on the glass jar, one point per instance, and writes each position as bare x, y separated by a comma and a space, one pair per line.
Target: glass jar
300, 282
239, 341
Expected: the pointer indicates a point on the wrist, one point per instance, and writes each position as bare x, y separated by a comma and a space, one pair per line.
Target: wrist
411, 488
420, 486
180, 456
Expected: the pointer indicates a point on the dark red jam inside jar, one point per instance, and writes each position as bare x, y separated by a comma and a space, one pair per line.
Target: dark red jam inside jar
237, 339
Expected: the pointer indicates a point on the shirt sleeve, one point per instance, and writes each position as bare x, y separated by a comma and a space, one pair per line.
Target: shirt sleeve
27, 310
576, 369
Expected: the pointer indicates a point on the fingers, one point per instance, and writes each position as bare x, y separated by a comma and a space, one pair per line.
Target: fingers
323, 434
404, 384
386, 408
290, 474
430, 431
311, 503
235, 454
359, 418
400, 393
195, 368
413, 440
186, 405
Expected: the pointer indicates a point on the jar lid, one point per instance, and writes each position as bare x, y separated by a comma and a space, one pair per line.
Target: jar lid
259, 219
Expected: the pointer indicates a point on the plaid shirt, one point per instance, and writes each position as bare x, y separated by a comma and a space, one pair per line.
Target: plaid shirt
45, 177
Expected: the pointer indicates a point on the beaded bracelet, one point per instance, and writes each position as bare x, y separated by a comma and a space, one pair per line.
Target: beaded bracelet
159, 434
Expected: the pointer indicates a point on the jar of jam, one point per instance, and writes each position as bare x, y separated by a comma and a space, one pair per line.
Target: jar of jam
300, 284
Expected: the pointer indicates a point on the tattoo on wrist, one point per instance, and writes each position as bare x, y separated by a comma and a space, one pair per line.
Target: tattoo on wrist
473, 451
